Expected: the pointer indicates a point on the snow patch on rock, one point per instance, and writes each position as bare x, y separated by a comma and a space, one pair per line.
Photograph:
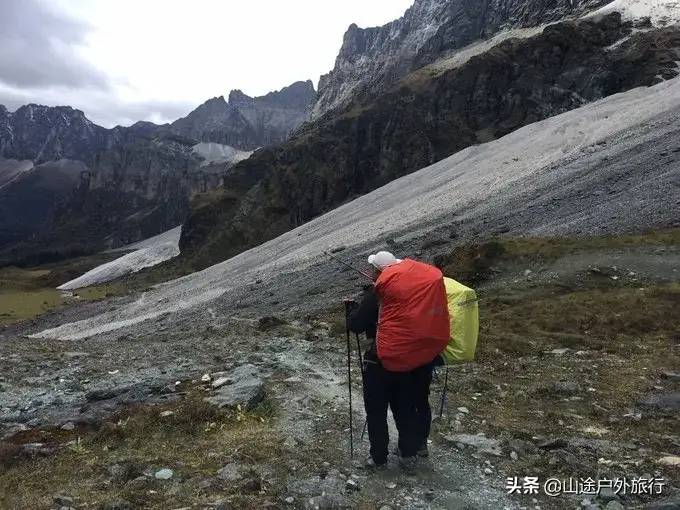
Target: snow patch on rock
219, 153
146, 253
660, 12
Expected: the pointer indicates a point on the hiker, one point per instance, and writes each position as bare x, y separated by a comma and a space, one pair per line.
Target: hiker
398, 366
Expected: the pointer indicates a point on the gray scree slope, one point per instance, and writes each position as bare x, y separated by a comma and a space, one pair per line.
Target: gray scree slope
601, 168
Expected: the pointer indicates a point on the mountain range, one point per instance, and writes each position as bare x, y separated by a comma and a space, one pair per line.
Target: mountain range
445, 76
116, 186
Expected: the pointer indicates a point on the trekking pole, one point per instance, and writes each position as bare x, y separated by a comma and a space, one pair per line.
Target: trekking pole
361, 365
349, 379
362, 273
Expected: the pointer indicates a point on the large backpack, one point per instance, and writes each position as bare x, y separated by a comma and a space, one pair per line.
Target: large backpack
414, 323
464, 317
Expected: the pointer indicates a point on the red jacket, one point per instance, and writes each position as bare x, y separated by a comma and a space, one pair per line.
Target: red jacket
414, 326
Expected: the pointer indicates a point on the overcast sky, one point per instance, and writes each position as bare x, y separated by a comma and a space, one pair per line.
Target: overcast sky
121, 61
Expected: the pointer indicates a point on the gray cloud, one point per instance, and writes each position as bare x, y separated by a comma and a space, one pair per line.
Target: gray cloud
38, 48
40, 63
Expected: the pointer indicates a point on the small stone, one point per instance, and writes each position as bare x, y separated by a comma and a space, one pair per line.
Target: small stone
565, 387
464, 410
68, 426
352, 485
514, 456
560, 352
206, 378
671, 460
230, 473
290, 500
62, 500
221, 381
487, 471
391, 485
165, 414
164, 474
614, 505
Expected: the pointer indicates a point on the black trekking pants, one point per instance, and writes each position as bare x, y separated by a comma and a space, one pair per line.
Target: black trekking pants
422, 377
399, 391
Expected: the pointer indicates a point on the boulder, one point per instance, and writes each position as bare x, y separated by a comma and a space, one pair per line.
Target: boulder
246, 389
662, 401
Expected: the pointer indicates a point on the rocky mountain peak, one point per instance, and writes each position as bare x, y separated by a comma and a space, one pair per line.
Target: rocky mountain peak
299, 95
370, 59
247, 123
237, 98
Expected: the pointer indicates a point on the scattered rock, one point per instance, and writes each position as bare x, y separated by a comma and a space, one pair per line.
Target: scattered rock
290, 500
206, 378
352, 485
68, 426
250, 486
125, 471
164, 474
480, 442
62, 500
663, 401
464, 410
230, 473
673, 376
552, 444
166, 414
267, 323
566, 388
560, 352
221, 381
247, 389
671, 460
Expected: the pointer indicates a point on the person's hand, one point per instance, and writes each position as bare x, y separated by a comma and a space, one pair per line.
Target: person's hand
349, 303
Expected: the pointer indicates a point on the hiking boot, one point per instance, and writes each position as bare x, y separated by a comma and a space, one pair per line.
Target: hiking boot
369, 463
409, 464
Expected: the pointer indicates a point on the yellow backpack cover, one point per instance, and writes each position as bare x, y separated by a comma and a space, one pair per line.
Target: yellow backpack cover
464, 316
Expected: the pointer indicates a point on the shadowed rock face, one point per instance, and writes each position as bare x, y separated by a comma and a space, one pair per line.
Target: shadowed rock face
373, 58
423, 118
43, 133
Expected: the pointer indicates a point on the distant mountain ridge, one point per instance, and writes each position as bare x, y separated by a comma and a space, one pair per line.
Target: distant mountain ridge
46, 133
89, 187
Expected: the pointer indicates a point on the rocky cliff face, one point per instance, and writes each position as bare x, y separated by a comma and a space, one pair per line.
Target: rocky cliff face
43, 133
371, 59
248, 123
424, 117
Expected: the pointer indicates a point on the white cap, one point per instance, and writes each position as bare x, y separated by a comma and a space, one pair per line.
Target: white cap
383, 259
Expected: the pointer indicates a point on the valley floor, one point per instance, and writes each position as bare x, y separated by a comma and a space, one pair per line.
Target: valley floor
579, 342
